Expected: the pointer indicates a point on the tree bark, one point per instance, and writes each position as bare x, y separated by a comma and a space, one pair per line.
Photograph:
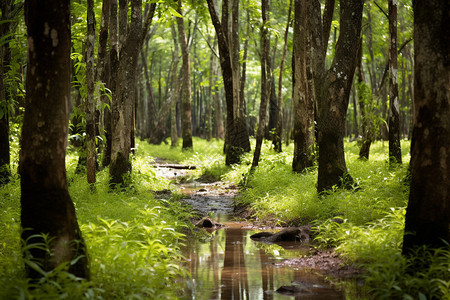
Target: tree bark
265, 82
175, 91
367, 128
279, 126
236, 138
395, 151
5, 58
428, 212
114, 66
5, 159
303, 102
186, 119
102, 71
91, 150
122, 106
332, 93
46, 206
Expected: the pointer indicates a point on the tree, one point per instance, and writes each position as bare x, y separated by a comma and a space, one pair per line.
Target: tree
236, 136
303, 100
9, 10
279, 125
265, 81
428, 212
46, 206
332, 90
91, 150
123, 102
186, 119
395, 152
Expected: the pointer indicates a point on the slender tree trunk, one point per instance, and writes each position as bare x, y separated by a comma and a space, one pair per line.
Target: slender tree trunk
46, 206
236, 140
367, 130
102, 70
114, 66
186, 119
5, 59
332, 92
428, 214
279, 126
175, 90
395, 151
122, 108
303, 103
265, 82
91, 151
5, 160
240, 118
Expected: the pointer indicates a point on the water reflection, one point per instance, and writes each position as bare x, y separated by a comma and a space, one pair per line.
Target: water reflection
232, 266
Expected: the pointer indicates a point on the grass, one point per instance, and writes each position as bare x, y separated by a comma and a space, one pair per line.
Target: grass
134, 240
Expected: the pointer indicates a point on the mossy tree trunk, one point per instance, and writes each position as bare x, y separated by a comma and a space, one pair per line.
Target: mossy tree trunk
46, 207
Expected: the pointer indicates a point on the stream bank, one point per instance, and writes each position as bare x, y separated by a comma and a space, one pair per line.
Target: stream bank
225, 263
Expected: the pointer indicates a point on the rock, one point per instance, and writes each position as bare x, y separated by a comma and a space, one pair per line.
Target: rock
295, 234
291, 290
207, 223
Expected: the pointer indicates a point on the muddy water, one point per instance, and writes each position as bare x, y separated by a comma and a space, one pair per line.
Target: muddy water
231, 266
227, 264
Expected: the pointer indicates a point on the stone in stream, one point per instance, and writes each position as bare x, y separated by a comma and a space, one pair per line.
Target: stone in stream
207, 223
300, 234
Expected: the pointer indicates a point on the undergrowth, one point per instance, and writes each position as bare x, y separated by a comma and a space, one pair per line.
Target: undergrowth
133, 239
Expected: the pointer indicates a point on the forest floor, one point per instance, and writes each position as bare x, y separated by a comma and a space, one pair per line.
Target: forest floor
209, 196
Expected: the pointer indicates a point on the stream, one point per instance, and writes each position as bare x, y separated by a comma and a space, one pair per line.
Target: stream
227, 264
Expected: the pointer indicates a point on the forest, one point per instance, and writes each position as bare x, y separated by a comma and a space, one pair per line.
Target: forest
224, 149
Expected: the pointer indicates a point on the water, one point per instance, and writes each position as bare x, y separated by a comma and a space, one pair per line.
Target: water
227, 264
232, 266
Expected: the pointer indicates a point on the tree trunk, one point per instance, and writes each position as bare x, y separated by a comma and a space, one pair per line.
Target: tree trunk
186, 119
395, 151
175, 91
5, 58
303, 101
5, 160
265, 82
102, 70
236, 139
45, 201
428, 213
367, 128
91, 151
332, 92
122, 108
114, 66
279, 126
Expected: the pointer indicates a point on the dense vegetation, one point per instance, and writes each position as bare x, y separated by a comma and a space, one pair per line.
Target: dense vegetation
134, 240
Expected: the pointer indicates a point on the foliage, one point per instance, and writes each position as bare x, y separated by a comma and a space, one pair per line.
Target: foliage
133, 240
274, 191
376, 247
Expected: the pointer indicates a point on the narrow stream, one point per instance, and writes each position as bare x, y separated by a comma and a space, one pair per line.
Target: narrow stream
227, 264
